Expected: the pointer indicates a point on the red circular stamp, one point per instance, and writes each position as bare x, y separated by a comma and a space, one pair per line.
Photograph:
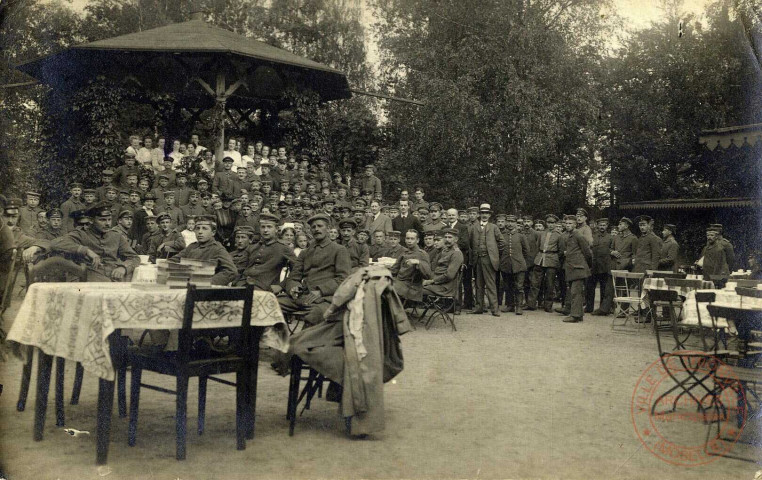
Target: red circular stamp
684, 414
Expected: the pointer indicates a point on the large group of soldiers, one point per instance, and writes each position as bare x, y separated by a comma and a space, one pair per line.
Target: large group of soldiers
268, 211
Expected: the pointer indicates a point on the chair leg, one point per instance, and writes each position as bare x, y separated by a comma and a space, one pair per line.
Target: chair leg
252, 391
26, 377
79, 372
202, 381
45, 365
60, 367
241, 410
121, 390
132, 430
293, 393
182, 410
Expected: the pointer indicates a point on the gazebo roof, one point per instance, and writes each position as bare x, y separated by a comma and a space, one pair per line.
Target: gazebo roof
193, 45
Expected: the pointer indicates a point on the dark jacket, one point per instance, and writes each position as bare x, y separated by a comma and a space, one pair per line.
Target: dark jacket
577, 257
668, 255
715, 260
626, 246
602, 245
494, 242
647, 254
402, 225
408, 279
514, 253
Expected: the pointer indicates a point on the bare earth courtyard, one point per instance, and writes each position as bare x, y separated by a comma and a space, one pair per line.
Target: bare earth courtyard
508, 397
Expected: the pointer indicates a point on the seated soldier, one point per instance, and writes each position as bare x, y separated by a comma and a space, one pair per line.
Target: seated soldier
378, 249
124, 227
268, 256
152, 230
242, 236
411, 269
169, 241
358, 252
54, 228
316, 274
109, 255
208, 249
393, 249
445, 272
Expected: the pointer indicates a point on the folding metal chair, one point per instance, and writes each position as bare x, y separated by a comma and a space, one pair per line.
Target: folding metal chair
627, 298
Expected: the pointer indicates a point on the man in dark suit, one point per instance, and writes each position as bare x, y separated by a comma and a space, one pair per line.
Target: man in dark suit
405, 221
485, 243
577, 260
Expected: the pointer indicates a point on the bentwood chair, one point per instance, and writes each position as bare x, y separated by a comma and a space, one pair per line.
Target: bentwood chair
196, 356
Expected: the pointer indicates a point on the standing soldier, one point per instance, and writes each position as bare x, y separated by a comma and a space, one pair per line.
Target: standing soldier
669, 248
533, 241
603, 243
106, 179
358, 253
370, 182
71, 205
582, 227
730, 254
625, 245
649, 247
577, 260
435, 222
546, 264
28, 213
714, 259
513, 265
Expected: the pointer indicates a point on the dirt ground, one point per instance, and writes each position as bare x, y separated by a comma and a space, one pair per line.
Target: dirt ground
508, 397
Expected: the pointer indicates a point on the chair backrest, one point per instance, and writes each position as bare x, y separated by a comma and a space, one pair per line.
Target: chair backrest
670, 296
664, 274
745, 320
706, 297
55, 267
746, 282
627, 284
749, 292
693, 284
8, 286
197, 295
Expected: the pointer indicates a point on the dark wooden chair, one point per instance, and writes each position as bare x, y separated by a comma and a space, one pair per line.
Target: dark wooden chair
749, 283
301, 371
749, 292
196, 357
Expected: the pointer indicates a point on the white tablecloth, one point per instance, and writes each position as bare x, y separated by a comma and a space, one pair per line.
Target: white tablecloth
652, 283
723, 298
74, 320
145, 274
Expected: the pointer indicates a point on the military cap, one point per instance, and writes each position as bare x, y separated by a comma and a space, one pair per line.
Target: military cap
550, 218
717, 226
626, 220
438, 234
429, 233
245, 229
602, 220
328, 200
540, 221
88, 190
394, 207
450, 231
125, 213
202, 180
242, 168
713, 228
228, 160
77, 215
394, 234
347, 222
206, 195
319, 216
485, 208
366, 191
162, 216
181, 174
149, 196
124, 191
282, 204
423, 209
358, 209
671, 227
192, 193
225, 197
644, 218
582, 211
500, 216
107, 172
265, 162
435, 206
111, 188
12, 207
100, 209
206, 220
473, 209
164, 176
570, 217
267, 217
31, 193
132, 174
510, 218
168, 193
361, 202
54, 213
526, 217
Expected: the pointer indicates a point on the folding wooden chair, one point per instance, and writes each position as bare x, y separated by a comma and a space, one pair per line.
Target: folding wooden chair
627, 298
442, 306
194, 358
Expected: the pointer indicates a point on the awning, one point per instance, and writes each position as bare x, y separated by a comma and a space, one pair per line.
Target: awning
739, 136
692, 204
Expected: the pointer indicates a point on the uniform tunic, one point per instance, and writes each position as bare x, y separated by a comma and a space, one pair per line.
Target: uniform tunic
174, 240
70, 205
358, 254
322, 266
647, 254
445, 272
625, 243
212, 251
668, 254
409, 278
550, 245
111, 246
514, 253
28, 218
266, 260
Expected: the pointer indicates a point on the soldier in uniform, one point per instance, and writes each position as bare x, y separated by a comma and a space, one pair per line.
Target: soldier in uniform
124, 227
73, 203
435, 222
393, 247
109, 255
533, 239
547, 262
582, 226
669, 248
371, 182
268, 257
54, 228
513, 264
418, 201
317, 273
358, 253
428, 243
730, 254
603, 243
208, 249
714, 258
28, 213
625, 245
194, 207
169, 242
444, 273
152, 231
378, 246
649, 247
242, 238
226, 180
120, 174
577, 260
411, 269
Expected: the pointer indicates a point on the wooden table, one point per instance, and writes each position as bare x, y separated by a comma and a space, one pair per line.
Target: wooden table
81, 322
